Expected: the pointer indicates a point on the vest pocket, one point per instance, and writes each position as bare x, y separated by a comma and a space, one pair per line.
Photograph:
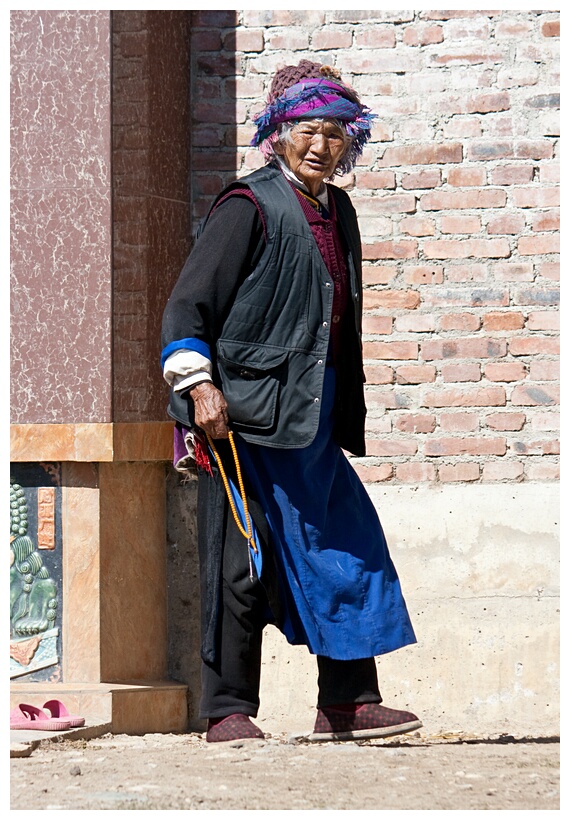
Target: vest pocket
251, 376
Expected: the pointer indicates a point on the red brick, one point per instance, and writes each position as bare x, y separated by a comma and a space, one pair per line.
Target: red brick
376, 179
463, 471
479, 151
471, 446
535, 394
373, 474
459, 422
464, 57
388, 399
545, 420
542, 297
415, 374
415, 472
430, 178
535, 197
505, 421
219, 19
536, 448
505, 371
534, 346
466, 248
513, 271
422, 154
512, 28
476, 272
546, 221
544, 320
399, 299
390, 350
456, 15
460, 224
542, 471
378, 374
292, 38
462, 127
545, 371
386, 61
417, 226
534, 149
206, 40
216, 65
550, 270
461, 372
206, 137
331, 38
404, 249
454, 200
503, 471
487, 103
377, 324
460, 321
214, 161
415, 323
390, 447
377, 37
470, 348
550, 172
244, 40
550, 28
424, 275
506, 224
503, 321
379, 425
512, 174
466, 177
465, 397
378, 274
385, 204
415, 423
422, 35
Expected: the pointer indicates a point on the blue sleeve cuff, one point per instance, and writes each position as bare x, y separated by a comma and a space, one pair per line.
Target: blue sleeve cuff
186, 344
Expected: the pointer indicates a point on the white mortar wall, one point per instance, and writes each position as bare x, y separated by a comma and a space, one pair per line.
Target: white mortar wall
479, 570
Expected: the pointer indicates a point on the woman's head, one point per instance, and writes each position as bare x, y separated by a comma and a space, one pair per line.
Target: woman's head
310, 97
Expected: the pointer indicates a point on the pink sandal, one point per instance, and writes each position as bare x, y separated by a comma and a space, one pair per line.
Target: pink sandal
57, 710
25, 716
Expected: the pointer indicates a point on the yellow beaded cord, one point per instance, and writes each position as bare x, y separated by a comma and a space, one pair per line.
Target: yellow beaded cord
249, 534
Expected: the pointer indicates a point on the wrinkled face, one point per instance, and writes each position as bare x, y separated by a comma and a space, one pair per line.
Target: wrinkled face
314, 151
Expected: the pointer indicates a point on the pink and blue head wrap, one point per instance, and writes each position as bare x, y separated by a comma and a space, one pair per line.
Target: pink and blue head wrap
319, 98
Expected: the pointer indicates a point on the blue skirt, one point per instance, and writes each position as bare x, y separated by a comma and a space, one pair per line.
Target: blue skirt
339, 587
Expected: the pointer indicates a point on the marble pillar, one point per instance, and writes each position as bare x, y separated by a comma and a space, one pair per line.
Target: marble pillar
100, 230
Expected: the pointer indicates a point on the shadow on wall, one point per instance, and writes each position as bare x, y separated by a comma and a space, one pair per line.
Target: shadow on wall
211, 147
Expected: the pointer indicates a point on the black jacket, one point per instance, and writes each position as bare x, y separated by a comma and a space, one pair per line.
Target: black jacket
269, 338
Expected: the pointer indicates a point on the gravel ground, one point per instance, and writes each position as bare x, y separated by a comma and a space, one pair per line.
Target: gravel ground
169, 772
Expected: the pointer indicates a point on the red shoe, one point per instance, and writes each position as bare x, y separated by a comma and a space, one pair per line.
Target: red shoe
232, 727
359, 721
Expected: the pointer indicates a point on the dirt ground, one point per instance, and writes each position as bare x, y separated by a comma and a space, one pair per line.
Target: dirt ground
174, 772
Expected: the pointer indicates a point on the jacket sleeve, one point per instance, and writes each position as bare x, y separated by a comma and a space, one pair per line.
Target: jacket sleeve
225, 253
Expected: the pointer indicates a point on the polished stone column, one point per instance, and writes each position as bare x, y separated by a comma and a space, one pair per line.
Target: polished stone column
100, 216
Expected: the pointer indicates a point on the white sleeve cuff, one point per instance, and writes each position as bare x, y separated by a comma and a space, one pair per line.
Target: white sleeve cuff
183, 368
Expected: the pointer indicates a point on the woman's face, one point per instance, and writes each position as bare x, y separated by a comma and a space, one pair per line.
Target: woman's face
314, 151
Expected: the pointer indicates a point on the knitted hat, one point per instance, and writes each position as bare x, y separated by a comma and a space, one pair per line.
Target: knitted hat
313, 90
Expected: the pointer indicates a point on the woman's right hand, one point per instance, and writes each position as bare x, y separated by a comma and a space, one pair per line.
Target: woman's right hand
210, 409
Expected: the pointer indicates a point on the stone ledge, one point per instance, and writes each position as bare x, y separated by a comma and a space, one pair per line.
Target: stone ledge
132, 708
120, 441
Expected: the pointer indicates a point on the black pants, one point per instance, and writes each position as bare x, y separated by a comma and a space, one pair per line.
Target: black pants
230, 684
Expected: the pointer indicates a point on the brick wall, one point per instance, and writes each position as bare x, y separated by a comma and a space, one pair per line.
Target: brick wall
457, 196
151, 232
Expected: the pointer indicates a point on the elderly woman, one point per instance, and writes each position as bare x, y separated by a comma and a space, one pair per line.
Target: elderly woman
262, 347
